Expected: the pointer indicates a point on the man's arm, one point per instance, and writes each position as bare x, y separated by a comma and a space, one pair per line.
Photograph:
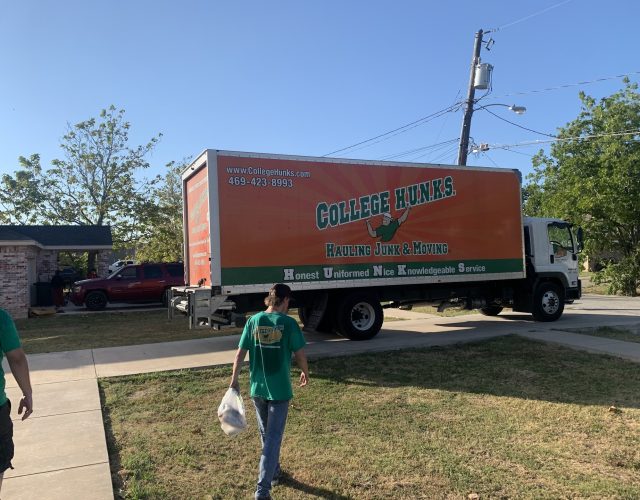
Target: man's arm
237, 364
301, 361
372, 232
20, 369
404, 216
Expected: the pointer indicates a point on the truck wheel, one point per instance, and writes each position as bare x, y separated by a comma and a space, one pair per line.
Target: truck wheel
359, 316
96, 301
548, 303
326, 324
491, 310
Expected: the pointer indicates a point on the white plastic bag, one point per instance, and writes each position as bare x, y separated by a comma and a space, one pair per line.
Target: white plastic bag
231, 413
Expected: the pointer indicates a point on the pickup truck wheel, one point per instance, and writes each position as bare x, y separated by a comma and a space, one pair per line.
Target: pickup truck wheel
96, 301
359, 316
491, 310
548, 302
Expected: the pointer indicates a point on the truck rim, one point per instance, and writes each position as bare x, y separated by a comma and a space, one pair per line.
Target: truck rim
363, 316
550, 302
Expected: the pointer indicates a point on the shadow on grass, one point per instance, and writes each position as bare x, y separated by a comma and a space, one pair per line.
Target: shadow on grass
290, 482
508, 366
112, 447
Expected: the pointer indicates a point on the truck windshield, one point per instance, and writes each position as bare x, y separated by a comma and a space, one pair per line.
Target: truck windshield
561, 239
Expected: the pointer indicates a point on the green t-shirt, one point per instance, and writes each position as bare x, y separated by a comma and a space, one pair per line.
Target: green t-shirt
385, 233
270, 339
9, 341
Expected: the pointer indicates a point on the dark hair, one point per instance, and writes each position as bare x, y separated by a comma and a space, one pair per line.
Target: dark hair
277, 294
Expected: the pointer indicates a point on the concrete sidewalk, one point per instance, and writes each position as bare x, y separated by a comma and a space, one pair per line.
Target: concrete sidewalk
61, 450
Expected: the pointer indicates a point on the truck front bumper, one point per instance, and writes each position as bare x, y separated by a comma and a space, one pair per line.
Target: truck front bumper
574, 293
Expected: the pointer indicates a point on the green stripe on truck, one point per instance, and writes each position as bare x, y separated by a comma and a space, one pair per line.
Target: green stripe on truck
328, 273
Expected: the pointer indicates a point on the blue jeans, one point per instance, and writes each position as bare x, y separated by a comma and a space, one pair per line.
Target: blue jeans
272, 417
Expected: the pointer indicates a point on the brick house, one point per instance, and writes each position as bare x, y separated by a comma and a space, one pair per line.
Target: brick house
29, 254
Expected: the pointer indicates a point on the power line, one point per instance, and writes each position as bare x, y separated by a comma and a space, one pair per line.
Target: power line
519, 126
456, 106
451, 148
526, 18
562, 139
417, 150
567, 85
386, 138
450, 151
444, 122
517, 152
489, 158
398, 130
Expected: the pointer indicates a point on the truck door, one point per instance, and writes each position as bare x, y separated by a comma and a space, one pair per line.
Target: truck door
563, 250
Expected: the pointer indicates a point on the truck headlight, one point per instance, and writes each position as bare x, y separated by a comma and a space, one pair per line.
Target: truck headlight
77, 289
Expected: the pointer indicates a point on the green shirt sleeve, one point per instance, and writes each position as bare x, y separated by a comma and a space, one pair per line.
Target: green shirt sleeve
296, 339
9, 339
245, 338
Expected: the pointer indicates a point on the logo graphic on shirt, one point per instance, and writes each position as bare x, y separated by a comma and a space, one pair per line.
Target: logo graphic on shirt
267, 334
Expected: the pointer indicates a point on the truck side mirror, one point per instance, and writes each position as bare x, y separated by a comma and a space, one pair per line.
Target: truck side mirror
580, 236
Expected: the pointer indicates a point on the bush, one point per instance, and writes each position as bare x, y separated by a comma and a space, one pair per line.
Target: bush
623, 276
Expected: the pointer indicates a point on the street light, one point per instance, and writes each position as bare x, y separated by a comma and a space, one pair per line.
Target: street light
518, 110
466, 127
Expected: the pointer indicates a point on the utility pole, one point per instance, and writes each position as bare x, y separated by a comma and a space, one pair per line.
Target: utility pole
468, 112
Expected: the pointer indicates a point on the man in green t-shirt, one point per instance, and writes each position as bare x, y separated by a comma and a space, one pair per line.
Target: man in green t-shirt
387, 230
270, 337
10, 346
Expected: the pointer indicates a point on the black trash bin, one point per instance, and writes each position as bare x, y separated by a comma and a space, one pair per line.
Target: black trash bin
44, 297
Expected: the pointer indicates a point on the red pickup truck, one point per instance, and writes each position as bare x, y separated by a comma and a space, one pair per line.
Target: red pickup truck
137, 283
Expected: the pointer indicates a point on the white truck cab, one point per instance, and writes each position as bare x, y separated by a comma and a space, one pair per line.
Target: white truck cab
551, 251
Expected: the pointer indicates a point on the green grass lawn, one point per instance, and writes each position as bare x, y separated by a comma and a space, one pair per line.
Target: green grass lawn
69, 332
506, 418
610, 332
88, 331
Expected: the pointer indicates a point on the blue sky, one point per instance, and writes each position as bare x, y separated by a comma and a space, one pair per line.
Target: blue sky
302, 77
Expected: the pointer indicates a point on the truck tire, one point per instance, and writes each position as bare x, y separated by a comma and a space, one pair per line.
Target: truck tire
359, 316
548, 302
95, 301
303, 313
491, 310
325, 326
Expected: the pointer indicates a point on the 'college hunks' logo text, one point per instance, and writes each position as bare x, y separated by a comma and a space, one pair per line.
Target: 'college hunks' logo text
370, 205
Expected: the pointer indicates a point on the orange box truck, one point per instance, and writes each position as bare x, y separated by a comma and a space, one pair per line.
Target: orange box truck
351, 237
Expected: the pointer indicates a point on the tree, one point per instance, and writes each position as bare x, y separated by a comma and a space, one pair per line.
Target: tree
21, 196
94, 185
592, 178
163, 239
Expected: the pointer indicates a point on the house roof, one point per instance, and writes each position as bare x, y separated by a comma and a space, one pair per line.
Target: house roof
65, 237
